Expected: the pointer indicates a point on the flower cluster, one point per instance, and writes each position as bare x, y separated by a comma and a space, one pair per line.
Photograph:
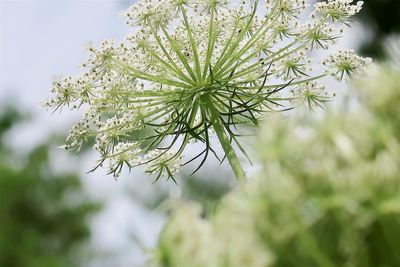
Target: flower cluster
124, 153
162, 165
196, 68
311, 93
344, 63
338, 10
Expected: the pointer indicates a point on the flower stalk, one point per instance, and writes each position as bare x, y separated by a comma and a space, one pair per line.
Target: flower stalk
224, 140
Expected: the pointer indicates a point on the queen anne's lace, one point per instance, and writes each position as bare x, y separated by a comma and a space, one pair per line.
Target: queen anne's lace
192, 68
340, 10
343, 63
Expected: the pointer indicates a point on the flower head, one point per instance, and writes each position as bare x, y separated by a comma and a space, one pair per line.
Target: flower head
338, 10
161, 163
344, 63
123, 153
193, 69
313, 94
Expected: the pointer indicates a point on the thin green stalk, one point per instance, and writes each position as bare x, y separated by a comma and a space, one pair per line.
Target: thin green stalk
210, 45
281, 84
179, 53
254, 38
224, 140
152, 78
271, 59
175, 71
229, 40
168, 109
222, 60
192, 43
243, 61
272, 55
190, 123
167, 54
128, 101
147, 115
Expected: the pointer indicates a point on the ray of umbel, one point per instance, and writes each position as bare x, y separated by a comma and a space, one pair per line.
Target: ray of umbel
196, 69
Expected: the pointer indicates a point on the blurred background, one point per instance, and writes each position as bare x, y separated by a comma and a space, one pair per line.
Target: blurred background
52, 213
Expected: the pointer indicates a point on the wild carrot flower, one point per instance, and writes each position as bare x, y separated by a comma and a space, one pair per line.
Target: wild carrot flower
196, 68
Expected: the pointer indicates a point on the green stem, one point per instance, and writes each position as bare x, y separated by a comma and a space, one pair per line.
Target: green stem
222, 60
192, 43
279, 85
178, 52
135, 73
224, 140
165, 51
264, 61
210, 45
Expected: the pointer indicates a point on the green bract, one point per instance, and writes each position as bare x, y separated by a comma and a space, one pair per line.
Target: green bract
195, 69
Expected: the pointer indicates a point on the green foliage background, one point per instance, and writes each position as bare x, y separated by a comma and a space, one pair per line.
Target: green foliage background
43, 216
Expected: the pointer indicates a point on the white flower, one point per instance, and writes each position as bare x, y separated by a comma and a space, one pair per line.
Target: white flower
199, 250
124, 154
320, 35
81, 131
343, 63
339, 10
293, 66
71, 92
287, 8
149, 11
311, 94
162, 163
115, 128
208, 4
